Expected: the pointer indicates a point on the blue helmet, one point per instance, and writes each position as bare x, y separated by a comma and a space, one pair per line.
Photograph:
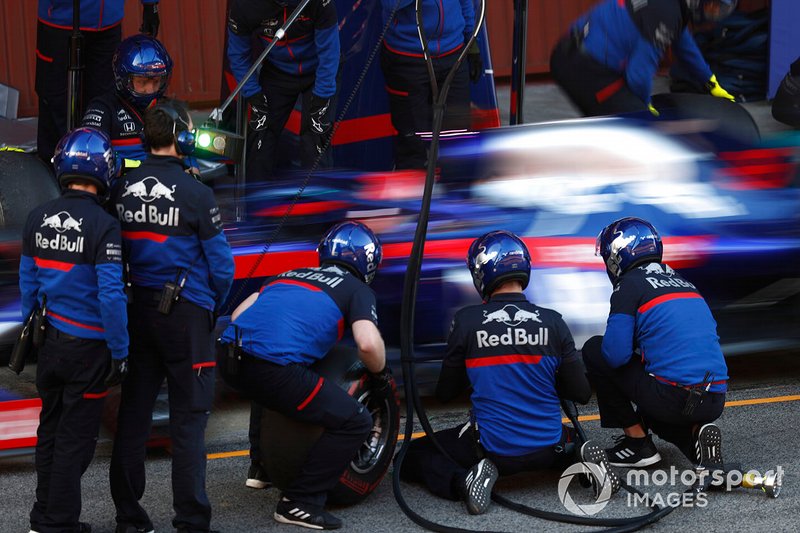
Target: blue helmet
710, 10
354, 246
497, 257
85, 153
626, 243
141, 55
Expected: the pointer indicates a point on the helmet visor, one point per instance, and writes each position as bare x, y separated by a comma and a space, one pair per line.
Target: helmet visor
150, 85
714, 10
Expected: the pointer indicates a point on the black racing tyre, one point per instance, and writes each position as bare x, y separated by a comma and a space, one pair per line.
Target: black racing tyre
25, 182
733, 120
285, 443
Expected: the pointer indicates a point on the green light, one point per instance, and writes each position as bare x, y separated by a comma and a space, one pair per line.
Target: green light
204, 140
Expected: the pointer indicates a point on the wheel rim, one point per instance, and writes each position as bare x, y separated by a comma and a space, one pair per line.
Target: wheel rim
372, 449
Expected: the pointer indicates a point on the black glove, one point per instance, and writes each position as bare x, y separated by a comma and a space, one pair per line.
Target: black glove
320, 118
259, 112
118, 371
150, 20
382, 383
475, 62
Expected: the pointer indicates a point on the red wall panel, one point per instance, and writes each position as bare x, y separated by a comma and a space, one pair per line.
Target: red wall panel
18, 51
193, 32
547, 21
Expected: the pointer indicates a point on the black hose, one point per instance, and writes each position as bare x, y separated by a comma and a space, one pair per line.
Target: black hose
407, 309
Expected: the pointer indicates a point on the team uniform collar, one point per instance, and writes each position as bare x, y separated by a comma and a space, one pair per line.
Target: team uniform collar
508, 297
84, 195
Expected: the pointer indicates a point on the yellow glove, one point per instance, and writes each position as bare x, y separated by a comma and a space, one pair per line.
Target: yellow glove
653, 110
717, 90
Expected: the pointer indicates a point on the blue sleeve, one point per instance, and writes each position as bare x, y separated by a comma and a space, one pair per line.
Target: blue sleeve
642, 67
239, 50
468, 12
28, 285
113, 307
215, 246
618, 339
327, 43
686, 50
219, 256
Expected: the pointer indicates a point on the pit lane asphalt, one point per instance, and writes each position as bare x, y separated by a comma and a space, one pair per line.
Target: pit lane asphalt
759, 430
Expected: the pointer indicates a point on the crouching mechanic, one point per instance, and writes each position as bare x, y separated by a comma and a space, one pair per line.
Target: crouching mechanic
520, 361
660, 351
71, 269
607, 62
142, 69
181, 269
293, 321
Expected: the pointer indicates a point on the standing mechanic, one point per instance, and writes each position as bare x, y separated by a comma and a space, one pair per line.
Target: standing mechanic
101, 28
71, 269
142, 69
607, 62
660, 351
448, 25
181, 269
520, 360
293, 321
305, 62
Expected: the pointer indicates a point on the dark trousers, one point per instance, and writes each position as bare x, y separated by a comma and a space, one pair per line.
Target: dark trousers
70, 380
301, 394
594, 88
424, 463
52, 62
180, 347
254, 432
411, 102
659, 407
282, 91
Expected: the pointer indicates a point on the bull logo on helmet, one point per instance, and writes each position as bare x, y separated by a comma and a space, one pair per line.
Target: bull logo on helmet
61, 222
149, 189
482, 258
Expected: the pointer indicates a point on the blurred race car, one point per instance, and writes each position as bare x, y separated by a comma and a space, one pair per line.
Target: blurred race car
729, 216
730, 222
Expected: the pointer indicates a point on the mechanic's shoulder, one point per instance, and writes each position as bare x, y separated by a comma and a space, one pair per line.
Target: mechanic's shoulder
471, 311
546, 313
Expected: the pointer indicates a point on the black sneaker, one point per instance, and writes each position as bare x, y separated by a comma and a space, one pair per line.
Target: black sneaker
633, 453
300, 514
256, 477
592, 453
478, 486
130, 528
708, 447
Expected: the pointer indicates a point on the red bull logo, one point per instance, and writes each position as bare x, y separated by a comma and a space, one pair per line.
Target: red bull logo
317, 275
148, 190
482, 258
513, 337
61, 222
511, 315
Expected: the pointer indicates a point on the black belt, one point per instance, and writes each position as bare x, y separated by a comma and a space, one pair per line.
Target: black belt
53, 333
147, 293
